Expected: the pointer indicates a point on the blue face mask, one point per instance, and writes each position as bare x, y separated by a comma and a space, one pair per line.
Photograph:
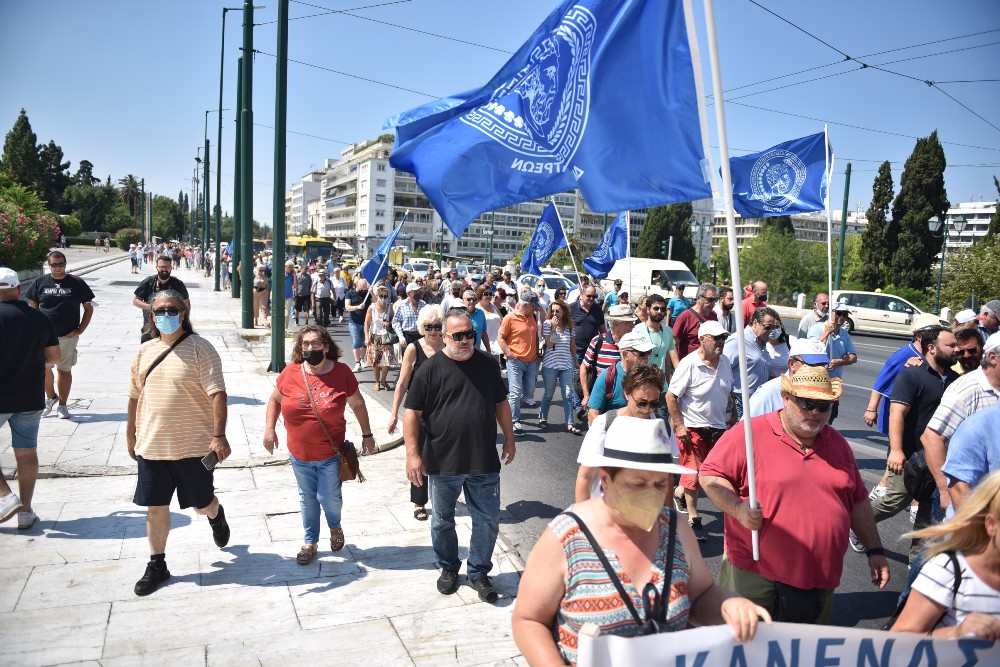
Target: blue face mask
167, 324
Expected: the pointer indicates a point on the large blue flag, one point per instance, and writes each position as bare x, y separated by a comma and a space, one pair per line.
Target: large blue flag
601, 97
376, 266
612, 247
784, 179
547, 238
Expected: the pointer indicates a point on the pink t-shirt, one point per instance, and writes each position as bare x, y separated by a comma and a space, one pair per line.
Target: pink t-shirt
806, 498
306, 439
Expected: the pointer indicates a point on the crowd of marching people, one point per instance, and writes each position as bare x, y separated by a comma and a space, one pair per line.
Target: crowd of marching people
653, 387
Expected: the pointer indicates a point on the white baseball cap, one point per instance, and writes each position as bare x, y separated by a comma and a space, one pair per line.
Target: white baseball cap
810, 350
8, 278
635, 341
711, 328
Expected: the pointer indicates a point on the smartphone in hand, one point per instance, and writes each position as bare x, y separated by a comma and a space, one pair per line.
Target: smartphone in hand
210, 461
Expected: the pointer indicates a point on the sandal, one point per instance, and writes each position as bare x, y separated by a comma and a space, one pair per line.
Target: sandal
543, 423
336, 539
420, 514
574, 430
378, 387
306, 554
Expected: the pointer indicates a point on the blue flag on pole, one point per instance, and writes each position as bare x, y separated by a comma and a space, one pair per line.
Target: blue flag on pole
601, 97
547, 238
612, 247
785, 179
375, 266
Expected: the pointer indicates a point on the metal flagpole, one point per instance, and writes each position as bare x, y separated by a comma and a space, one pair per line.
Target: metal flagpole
829, 214
569, 246
734, 260
628, 249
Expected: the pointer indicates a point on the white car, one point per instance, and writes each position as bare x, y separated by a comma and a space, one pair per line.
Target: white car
878, 313
418, 269
553, 281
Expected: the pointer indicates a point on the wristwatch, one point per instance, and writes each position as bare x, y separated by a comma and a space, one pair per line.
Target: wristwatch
877, 551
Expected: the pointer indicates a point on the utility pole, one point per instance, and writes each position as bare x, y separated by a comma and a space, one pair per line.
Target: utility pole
843, 231
218, 159
278, 209
246, 167
237, 197
208, 192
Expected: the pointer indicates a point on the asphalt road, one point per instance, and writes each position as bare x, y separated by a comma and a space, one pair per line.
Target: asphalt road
539, 484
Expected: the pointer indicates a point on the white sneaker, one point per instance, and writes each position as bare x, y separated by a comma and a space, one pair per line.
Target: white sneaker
341, 320
913, 513
63, 412
26, 520
357, 367
49, 404
9, 506
530, 402
877, 492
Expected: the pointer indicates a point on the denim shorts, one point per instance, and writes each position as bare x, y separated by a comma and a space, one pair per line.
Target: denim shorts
158, 480
23, 428
357, 335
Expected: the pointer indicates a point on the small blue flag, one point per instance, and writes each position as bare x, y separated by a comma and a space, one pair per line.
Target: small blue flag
785, 179
601, 97
547, 238
612, 247
377, 265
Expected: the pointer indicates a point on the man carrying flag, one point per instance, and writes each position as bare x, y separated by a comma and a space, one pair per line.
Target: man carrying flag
547, 238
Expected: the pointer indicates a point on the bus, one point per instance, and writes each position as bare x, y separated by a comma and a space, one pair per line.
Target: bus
310, 247
260, 245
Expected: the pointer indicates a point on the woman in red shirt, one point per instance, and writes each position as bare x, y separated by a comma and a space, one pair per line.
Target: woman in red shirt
316, 386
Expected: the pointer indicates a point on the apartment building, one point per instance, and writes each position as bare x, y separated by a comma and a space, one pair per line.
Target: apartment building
810, 227
297, 202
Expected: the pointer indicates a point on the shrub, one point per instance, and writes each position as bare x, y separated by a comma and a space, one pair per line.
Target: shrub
25, 239
127, 236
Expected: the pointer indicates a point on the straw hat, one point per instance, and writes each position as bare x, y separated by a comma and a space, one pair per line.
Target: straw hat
622, 313
812, 382
638, 444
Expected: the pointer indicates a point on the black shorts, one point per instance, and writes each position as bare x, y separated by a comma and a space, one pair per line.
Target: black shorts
158, 479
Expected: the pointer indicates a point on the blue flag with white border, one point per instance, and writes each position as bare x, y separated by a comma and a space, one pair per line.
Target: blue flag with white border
601, 97
546, 239
376, 266
612, 247
785, 179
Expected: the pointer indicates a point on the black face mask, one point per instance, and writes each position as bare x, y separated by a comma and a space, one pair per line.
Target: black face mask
314, 357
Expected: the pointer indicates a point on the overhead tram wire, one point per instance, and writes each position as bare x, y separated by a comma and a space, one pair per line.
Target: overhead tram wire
311, 136
336, 11
352, 76
347, 12
865, 66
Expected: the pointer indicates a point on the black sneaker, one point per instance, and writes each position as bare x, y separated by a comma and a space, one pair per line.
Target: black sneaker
485, 589
220, 528
699, 531
581, 414
518, 429
681, 503
447, 582
156, 574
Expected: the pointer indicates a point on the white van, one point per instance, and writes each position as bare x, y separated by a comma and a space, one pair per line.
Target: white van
641, 276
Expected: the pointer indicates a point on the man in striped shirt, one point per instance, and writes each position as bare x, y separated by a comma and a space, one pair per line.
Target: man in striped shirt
176, 416
602, 352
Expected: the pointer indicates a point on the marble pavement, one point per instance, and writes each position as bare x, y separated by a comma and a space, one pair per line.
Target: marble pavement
66, 584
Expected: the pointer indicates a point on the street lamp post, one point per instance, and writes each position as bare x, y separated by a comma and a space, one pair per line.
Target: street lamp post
218, 155
699, 226
934, 224
489, 243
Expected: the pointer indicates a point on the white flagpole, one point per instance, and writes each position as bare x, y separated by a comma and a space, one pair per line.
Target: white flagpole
569, 246
727, 193
628, 250
829, 214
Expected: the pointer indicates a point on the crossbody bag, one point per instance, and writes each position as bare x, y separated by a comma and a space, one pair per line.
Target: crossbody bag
350, 466
653, 603
163, 356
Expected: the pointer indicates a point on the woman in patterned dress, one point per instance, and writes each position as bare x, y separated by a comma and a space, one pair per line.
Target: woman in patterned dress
377, 322
565, 584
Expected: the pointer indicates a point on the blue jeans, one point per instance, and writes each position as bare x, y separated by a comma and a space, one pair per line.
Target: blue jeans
521, 380
357, 334
482, 497
565, 378
319, 485
23, 428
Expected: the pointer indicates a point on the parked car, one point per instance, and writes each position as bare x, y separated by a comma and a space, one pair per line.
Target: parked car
467, 269
553, 281
417, 269
876, 312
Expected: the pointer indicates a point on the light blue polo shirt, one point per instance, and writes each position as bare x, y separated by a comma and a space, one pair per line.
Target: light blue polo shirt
758, 361
974, 450
838, 345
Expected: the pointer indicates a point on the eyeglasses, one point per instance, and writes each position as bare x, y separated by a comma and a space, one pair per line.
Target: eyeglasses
970, 352
432, 327
166, 311
470, 334
770, 327
809, 405
710, 299
313, 345
56, 265
657, 309
647, 404
640, 354
470, 299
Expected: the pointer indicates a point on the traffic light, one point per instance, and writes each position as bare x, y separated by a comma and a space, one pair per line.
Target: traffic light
663, 248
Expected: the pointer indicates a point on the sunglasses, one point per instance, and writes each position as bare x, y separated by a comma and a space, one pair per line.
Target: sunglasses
432, 327
657, 309
720, 338
640, 354
647, 404
968, 353
770, 327
166, 311
56, 265
318, 345
810, 406
470, 299
710, 299
463, 335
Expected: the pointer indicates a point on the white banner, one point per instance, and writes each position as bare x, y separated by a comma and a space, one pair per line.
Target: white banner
786, 645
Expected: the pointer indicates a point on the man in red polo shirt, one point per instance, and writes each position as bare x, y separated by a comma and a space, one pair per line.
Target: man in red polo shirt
810, 494
685, 327
754, 300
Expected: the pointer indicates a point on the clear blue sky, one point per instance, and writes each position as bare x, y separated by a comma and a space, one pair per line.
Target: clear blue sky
125, 84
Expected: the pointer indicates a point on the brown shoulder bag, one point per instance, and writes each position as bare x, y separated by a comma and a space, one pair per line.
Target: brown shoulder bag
350, 466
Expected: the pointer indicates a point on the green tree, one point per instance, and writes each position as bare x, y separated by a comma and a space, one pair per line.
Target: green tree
84, 175
168, 221
70, 226
130, 193
91, 204
20, 153
880, 237
781, 223
971, 272
54, 177
119, 217
662, 222
994, 230
921, 196
788, 265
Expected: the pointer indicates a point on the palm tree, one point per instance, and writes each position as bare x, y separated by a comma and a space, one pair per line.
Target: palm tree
130, 193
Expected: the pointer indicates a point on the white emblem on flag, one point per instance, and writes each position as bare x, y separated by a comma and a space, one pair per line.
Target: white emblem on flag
776, 179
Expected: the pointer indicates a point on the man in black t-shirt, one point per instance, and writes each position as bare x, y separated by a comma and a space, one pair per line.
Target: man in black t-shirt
459, 398
60, 296
29, 342
588, 319
147, 288
915, 396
